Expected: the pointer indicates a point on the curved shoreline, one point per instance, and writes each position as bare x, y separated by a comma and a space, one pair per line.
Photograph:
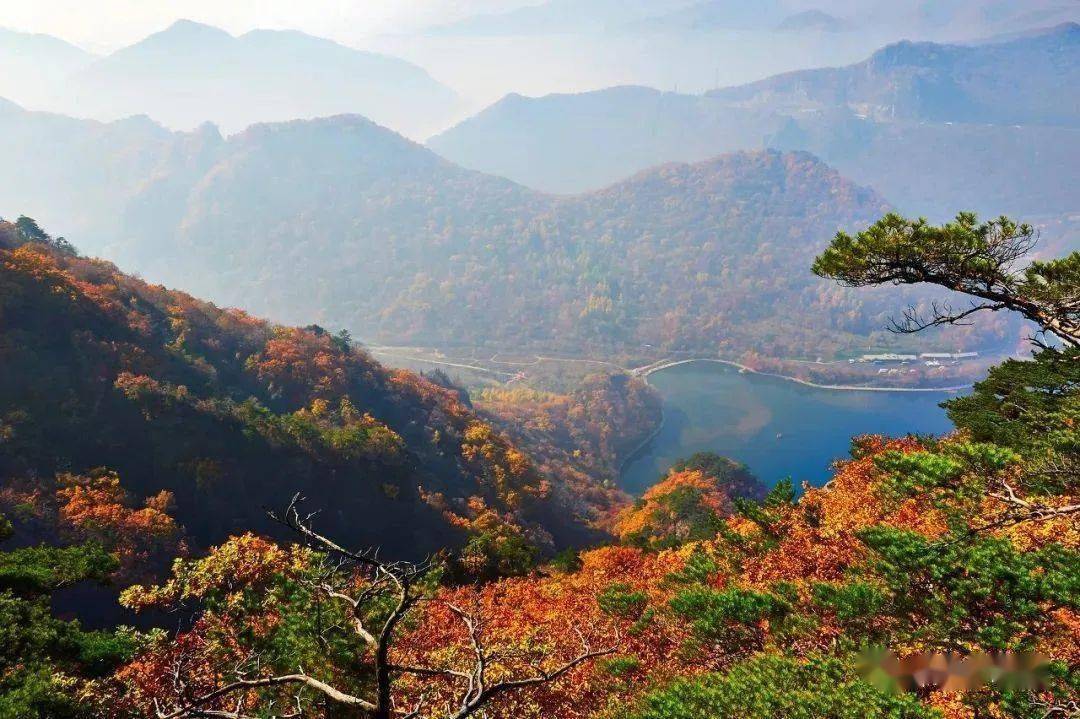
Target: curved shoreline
647, 370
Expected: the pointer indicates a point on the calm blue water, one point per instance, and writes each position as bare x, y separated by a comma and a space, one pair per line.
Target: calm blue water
709, 406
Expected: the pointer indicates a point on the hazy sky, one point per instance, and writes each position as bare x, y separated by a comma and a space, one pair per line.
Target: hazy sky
107, 24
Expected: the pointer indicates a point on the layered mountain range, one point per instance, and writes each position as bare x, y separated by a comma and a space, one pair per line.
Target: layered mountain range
346, 223
953, 17
984, 127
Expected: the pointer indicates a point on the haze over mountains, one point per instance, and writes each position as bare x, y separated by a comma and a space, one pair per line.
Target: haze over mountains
984, 126
33, 64
615, 288
345, 223
191, 73
952, 18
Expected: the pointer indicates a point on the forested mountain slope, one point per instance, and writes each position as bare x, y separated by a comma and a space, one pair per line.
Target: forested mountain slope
986, 127
341, 221
345, 223
233, 415
954, 558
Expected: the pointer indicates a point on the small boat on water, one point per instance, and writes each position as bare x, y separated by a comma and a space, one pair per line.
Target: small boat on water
779, 435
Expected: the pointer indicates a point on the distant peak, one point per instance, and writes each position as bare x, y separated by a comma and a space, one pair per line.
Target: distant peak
813, 19
191, 28
345, 122
184, 24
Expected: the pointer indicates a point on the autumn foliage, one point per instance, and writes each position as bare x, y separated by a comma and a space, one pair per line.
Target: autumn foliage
226, 413
778, 577
716, 597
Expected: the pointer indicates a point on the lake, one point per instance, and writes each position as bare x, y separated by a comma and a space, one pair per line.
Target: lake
776, 427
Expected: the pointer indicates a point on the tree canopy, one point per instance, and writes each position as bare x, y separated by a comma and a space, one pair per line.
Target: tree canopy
982, 260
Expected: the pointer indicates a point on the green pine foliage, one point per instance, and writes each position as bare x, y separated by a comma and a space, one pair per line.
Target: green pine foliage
45, 661
769, 687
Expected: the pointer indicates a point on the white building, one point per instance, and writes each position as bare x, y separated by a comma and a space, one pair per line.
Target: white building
889, 357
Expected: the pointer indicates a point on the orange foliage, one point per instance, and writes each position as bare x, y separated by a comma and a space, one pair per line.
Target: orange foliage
39, 265
536, 620
300, 363
818, 535
95, 507
652, 512
817, 543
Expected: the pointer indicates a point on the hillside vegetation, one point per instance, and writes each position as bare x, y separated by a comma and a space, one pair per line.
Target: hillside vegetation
345, 223
226, 414
717, 599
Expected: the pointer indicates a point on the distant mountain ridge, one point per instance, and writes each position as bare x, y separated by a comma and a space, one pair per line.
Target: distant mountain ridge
1003, 83
933, 18
191, 73
558, 16
814, 20
343, 222
32, 63
987, 126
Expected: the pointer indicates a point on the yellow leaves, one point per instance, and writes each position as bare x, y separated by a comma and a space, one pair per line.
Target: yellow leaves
517, 394
518, 462
138, 597
1030, 536
319, 408
478, 433
951, 705
39, 265
240, 563
508, 470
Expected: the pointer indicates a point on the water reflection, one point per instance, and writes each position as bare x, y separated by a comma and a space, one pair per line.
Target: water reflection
778, 428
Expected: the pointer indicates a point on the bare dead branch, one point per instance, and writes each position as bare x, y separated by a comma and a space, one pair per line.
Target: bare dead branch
382, 579
940, 314
479, 692
194, 706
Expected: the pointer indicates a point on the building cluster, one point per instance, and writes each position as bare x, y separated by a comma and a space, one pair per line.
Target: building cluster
930, 359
